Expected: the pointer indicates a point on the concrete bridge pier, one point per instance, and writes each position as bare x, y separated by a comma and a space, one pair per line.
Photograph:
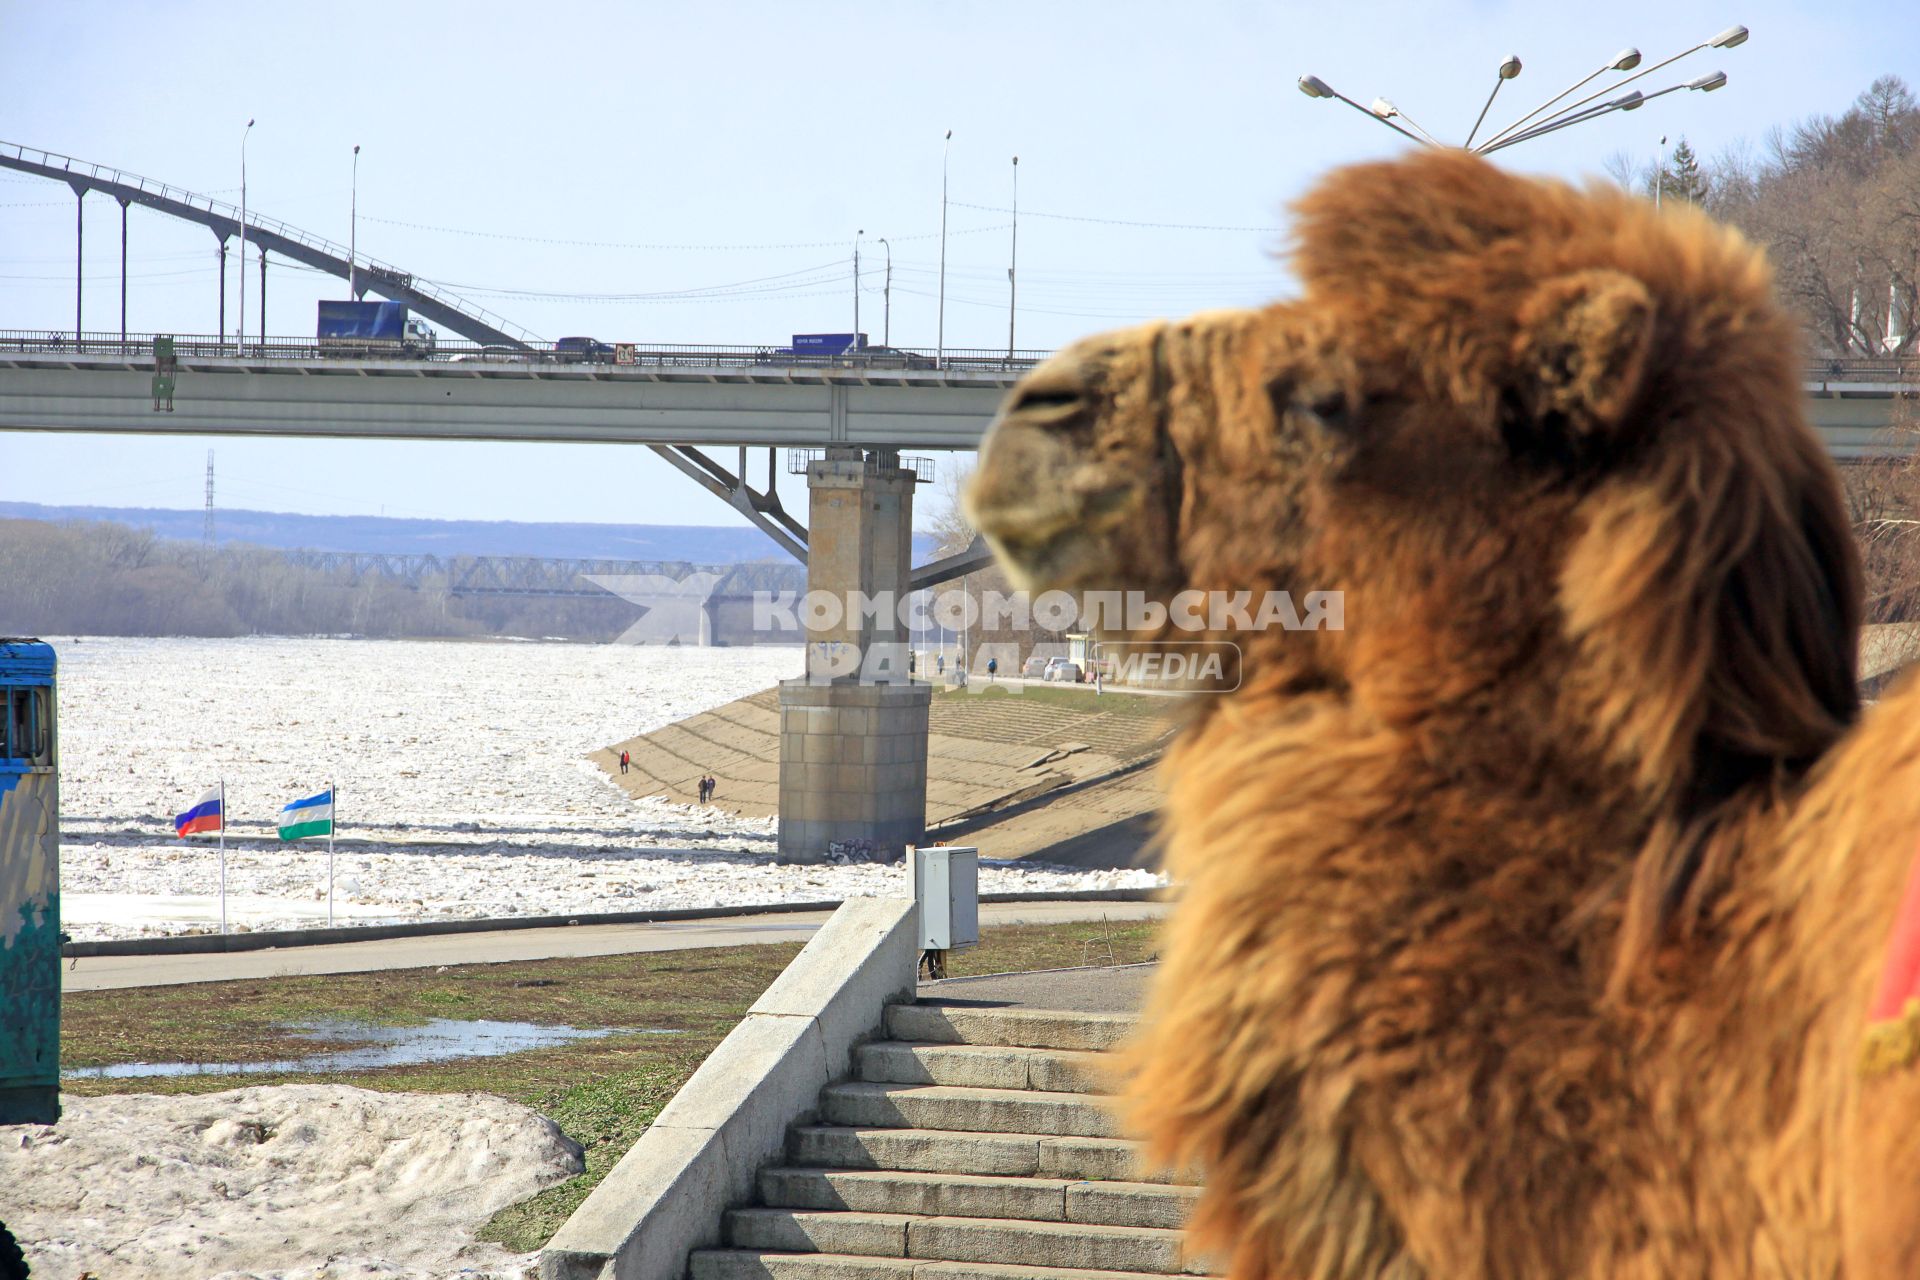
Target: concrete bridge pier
853, 730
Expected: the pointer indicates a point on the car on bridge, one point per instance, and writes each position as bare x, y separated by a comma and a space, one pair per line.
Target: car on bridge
578, 350
891, 358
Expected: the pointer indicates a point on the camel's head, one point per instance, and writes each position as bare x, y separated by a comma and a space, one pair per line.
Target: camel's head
1548, 443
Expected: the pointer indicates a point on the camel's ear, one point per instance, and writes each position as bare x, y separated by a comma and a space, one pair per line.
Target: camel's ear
1580, 354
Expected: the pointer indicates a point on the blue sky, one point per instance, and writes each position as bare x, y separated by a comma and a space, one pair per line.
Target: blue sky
541, 158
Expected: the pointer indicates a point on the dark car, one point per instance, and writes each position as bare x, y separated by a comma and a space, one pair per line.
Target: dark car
582, 350
892, 358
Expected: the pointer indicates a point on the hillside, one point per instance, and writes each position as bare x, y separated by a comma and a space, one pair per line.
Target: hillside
702, 544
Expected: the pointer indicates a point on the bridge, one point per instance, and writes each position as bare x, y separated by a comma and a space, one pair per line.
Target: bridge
672, 397
853, 752
271, 235
532, 576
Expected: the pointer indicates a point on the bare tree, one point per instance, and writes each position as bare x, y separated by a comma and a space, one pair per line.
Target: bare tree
1837, 201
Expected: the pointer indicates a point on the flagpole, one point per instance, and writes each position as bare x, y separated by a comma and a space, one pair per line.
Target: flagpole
223, 854
333, 820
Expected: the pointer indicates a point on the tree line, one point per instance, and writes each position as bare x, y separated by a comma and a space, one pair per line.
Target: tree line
104, 578
1835, 200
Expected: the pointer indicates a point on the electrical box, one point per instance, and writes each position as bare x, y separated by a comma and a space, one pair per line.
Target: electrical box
946, 885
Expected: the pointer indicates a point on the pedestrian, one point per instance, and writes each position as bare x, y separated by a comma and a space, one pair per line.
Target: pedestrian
701, 786
625, 760
993, 665
940, 665
712, 783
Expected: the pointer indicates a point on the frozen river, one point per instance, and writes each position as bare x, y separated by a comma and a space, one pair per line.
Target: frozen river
464, 787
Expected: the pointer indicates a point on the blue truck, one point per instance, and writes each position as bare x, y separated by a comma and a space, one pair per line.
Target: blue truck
828, 344
372, 328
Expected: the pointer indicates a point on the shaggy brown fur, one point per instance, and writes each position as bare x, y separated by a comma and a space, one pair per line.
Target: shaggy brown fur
1528, 924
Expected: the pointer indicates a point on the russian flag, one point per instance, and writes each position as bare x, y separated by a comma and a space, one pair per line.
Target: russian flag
203, 817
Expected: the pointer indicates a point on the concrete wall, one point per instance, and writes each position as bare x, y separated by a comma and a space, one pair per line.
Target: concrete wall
666, 1196
853, 766
853, 746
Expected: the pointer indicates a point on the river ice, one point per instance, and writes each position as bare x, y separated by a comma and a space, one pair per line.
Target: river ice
463, 784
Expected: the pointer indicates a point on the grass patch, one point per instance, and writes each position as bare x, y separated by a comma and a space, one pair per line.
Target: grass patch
602, 1093
1011, 948
1076, 697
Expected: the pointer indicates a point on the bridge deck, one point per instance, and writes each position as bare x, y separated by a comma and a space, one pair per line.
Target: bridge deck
656, 395
744, 403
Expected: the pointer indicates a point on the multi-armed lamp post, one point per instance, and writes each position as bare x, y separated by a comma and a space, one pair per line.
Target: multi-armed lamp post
1534, 123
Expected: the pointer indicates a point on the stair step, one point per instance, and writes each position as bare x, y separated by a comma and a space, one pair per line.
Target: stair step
982, 1066
940, 1106
742, 1264
800, 1231
978, 1240
952, 1151
1027, 1028
1036, 1199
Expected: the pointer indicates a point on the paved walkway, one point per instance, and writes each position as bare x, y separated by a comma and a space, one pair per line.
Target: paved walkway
101, 973
1114, 989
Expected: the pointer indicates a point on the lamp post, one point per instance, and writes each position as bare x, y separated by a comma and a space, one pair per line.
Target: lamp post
1629, 102
1626, 60
240, 338
1508, 71
1013, 260
1534, 124
886, 294
856, 283
1315, 87
945, 151
353, 227
1732, 38
1386, 110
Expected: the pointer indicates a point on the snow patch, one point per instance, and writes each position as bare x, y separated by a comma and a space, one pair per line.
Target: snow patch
285, 1182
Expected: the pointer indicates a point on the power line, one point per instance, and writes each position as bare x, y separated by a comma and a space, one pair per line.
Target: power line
647, 245
1115, 222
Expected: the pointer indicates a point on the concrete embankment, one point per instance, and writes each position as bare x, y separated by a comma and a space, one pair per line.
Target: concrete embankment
1050, 774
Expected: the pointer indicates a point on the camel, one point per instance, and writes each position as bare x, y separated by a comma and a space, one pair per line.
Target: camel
1546, 918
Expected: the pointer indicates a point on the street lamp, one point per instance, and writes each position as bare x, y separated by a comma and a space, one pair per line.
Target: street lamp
886, 293
1013, 260
1626, 60
944, 152
1315, 87
1732, 38
1533, 124
353, 226
240, 339
1630, 102
1508, 70
1386, 111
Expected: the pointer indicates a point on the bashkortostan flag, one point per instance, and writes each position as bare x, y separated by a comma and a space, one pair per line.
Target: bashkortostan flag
310, 817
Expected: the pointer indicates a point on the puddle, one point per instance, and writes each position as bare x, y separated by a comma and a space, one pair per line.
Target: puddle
440, 1040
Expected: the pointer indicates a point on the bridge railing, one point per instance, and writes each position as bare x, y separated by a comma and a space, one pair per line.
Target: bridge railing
372, 268
54, 342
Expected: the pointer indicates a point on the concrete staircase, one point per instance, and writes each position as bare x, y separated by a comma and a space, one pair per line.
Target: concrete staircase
971, 1146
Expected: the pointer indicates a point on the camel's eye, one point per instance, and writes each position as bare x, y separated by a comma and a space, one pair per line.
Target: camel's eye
1329, 407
